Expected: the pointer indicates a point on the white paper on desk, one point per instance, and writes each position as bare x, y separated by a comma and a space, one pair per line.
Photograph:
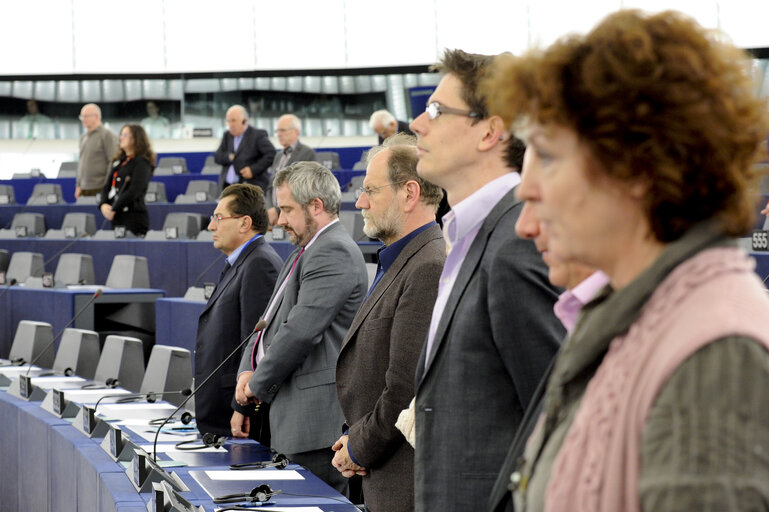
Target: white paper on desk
285, 509
9, 371
170, 448
87, 287
135, 410
87, 396
256, 474
54, 380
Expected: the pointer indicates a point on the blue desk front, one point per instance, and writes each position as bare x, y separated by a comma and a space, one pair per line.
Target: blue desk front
58, 306
176, 323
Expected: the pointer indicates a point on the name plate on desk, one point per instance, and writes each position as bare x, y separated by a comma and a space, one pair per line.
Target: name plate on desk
208, 290
59, 402
151, 197
20, 231
51, 198
117, 446
47, 280
201, 197
70, 231
177, 169
5, 199
278, 233
25, 386
166, 499
119, 231
760, 240
172, 233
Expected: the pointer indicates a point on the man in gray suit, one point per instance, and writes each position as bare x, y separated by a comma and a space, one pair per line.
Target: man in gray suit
375, 370
493, 331
289, 129
291, 364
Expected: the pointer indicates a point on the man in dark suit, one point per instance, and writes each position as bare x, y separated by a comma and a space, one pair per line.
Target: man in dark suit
375, 370
291, 364
493, 331
245, 153
249, 274
289, 129
385, 125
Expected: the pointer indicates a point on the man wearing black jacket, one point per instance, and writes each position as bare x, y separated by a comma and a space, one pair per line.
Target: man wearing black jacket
245, 153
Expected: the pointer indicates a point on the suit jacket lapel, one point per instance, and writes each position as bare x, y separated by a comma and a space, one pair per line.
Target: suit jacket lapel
243, 141
423, 238
466, 271
225, 282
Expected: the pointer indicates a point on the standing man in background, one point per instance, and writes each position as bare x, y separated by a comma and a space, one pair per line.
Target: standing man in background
385, 125
97, 147
245, 153
250, 271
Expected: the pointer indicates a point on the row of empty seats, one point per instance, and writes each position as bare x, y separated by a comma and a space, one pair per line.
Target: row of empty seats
121, 359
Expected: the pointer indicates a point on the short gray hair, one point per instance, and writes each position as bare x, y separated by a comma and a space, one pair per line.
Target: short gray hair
310, 180
296, 123
240, 109
382, 117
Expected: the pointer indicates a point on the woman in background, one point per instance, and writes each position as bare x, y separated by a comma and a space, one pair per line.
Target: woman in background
122, 199
642, 137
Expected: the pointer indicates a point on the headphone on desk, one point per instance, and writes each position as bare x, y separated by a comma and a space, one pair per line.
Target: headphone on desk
279, 461
258, 494
185, 418
209, 440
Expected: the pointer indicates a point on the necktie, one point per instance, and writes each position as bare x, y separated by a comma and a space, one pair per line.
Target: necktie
284, 158
227, 266
257, 353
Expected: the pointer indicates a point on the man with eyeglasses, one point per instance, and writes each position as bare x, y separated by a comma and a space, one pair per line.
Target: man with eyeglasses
250, 270
288, 132
375, 369
97, 148
493, 331
290, 366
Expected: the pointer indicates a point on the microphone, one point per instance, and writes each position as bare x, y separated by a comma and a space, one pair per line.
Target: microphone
261, 324
87, 304
16, 361
150, 396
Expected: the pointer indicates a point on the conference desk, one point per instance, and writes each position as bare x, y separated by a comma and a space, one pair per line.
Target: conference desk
130, 308
54, 213
52, 466
175, 184
174, 265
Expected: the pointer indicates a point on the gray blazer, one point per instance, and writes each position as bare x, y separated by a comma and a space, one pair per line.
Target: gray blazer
302, 341
494, 341
301, 153
375, 370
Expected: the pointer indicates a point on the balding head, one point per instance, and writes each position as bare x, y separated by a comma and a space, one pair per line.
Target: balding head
90, 116
289, 129
237, 120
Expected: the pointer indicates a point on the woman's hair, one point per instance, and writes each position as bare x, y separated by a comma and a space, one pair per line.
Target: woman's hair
657, 99
141, 145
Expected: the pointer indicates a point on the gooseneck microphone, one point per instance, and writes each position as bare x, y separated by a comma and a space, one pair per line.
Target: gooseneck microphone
47, 347
150, 396
261, 324
59, 252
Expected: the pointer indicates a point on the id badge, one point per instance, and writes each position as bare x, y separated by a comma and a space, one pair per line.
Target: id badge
112, 193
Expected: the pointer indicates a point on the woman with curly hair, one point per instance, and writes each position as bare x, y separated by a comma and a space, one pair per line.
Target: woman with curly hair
641, 139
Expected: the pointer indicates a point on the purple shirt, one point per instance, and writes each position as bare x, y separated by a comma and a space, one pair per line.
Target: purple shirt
460, 226
570, 302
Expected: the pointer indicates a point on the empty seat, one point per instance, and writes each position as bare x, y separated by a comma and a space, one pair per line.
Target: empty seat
68, 170
46, 193
128, 271
6, 195
359, 166
81, 222
30, 342
211, 188
28, 224
211, 169
210, 161
168, 369
156, 192
178, 225
74, 268
328, 159
122, 358
171, 165
24, 265
78, 352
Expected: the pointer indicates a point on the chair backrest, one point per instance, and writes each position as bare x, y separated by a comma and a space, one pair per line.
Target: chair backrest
30, 340
187, 224
34, 222
68, 170
81, 221
122, 358
128, 271
75, 268
24, 265
210, 161
210, 188
7, 195
359, 166
177, 164
78, 351
169, 369
86, 200
46, 193
328, 159
211, 169
353, 223
156, 192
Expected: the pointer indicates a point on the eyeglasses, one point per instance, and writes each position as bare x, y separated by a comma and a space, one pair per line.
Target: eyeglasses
369, 191
435, 109
83, 116
218, 217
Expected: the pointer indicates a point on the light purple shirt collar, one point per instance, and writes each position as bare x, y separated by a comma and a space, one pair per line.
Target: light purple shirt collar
571, 302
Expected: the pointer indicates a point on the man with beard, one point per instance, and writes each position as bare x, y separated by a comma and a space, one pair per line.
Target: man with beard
375, 370
291, 364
